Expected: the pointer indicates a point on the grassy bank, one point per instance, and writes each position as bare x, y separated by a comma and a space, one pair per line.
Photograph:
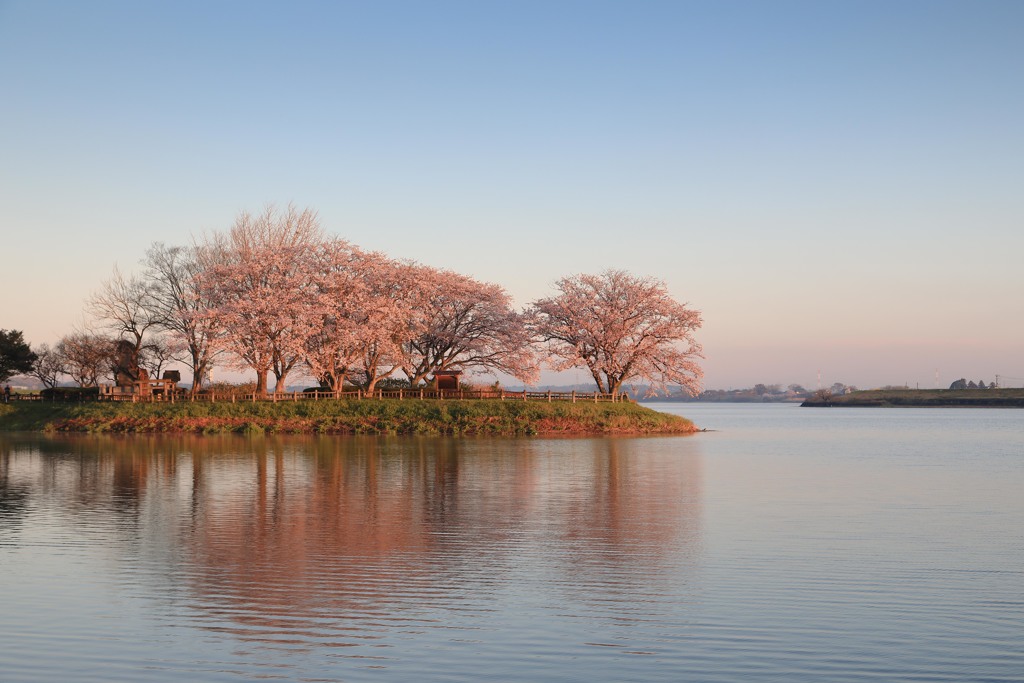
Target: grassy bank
344, 417
925, 398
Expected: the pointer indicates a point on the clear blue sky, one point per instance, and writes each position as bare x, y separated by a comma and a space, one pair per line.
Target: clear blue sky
837, 186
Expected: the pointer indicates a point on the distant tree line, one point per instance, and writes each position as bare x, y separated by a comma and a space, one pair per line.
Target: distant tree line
764, 393
962, 384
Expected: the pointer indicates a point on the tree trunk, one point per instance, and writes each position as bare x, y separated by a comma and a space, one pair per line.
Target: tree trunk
198, 371
281, 369
332, 381
281, 378
374, 377
261, 381
614, 387
198, 375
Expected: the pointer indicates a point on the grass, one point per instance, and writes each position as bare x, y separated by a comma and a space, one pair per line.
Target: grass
344, 417
928, 398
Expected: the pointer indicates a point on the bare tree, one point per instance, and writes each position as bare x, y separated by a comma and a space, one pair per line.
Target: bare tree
125, 306
157, 353
85, 357
48, 367
179, 302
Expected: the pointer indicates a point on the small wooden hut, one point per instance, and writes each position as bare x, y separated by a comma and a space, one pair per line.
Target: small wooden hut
447, 380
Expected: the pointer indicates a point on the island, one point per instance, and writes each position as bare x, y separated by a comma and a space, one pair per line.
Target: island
345, 416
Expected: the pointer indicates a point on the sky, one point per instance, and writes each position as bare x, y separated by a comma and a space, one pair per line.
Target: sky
838, 187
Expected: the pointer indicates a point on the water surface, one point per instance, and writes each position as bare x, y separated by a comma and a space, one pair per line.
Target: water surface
787, 544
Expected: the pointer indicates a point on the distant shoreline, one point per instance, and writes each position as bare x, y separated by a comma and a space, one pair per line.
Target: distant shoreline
923, 398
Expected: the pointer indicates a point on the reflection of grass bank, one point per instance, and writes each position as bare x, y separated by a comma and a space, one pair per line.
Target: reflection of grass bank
926, 398
345, 417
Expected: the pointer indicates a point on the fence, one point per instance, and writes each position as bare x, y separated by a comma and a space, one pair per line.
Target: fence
358, 395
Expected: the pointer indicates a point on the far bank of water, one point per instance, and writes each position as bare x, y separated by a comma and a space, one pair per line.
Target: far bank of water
787, 544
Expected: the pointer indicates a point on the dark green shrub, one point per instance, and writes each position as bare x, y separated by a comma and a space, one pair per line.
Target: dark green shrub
70, 393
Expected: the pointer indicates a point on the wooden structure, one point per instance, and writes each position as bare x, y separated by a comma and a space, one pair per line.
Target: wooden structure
148, 388
447, 380
110, 393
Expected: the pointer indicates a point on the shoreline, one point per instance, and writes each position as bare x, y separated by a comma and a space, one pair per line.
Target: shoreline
923, 398
345, 417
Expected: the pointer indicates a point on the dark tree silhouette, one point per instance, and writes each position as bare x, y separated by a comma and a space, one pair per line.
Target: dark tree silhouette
16, 357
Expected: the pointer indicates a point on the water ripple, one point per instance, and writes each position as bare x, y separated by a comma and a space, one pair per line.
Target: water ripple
738, 558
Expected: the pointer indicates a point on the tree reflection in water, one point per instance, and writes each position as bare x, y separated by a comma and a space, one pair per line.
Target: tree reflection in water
325, 541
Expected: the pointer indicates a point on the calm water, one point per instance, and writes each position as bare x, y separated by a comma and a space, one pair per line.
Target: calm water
788, 545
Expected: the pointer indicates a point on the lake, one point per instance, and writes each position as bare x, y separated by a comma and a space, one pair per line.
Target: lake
788, 544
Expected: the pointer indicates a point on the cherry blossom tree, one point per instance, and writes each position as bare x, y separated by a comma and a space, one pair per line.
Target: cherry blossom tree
368, 310
467, 324
261, 291
394, 314
334, 345
621, 327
